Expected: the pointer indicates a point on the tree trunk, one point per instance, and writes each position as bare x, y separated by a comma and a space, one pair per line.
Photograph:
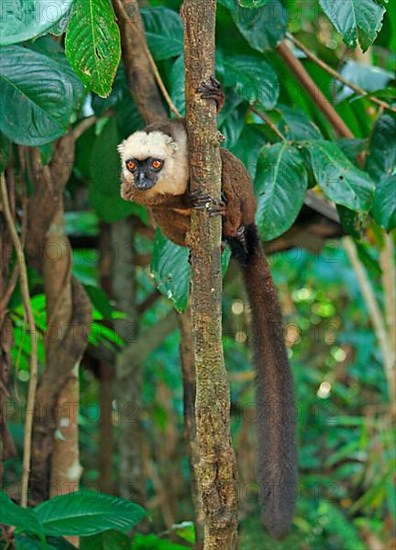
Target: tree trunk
217, 470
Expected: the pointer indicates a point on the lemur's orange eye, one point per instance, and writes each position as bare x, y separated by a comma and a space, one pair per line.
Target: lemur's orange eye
156, 164
131, 165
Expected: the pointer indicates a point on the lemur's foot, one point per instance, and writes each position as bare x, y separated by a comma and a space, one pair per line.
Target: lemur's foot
211, 89
202, 201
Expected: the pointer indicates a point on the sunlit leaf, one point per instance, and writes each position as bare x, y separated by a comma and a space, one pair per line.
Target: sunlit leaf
355, 20
93, 44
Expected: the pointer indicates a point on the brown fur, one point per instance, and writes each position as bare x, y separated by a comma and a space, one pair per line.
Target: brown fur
276, 423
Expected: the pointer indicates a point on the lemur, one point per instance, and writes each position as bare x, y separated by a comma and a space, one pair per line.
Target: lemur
155, 173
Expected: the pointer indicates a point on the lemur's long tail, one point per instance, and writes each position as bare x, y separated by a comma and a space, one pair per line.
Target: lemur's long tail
276, 409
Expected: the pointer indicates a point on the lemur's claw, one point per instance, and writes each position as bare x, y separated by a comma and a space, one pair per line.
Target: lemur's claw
211, 89
201, 201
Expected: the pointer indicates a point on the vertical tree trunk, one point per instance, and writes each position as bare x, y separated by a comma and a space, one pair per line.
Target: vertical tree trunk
68, 320
190, 429
217, 470
128, 373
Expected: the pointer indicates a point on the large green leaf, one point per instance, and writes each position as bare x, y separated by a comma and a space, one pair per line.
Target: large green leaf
164, 32
109, 540
248, 147
296, 125
93, 44
381, 157
280, 185
263, 28
340, 180
104, 189
177, 83
232, 127
253, 79
21, 21
355, 20
24, 519
38, 94
384, 207
171, 270
87, 513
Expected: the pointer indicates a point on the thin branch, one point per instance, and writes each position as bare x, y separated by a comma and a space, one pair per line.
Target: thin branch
389, 285
335, 74
268, 121
376, 316
313, 90
31, 398
139, 61
86, 123
157, 76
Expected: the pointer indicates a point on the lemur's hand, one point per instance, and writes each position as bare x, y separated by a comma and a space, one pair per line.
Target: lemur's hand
211, 89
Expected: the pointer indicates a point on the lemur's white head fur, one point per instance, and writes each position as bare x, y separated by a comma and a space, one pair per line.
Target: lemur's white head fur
173, 177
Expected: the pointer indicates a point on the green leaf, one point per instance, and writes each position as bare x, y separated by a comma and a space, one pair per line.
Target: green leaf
164, 32
151, 542
381, 159
297, 126
353, 222
104, 189
340, 180
93, 44
177, 83
24, 519
171, 270
109, 540
87, 513
253, 79
100, 301
232, 127
384, 207
355, 20
249, 146
37, 95
280, 185
81, 222
252, 4
263, 28
21, 21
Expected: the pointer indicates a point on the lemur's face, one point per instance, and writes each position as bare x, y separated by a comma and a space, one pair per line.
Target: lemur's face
145, 172
153, 163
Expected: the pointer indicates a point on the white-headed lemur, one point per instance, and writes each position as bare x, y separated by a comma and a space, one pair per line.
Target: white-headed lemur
155, 173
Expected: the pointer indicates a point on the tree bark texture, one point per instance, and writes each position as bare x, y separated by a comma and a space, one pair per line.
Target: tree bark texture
139, 75
190, 429
217, 469
128, 373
